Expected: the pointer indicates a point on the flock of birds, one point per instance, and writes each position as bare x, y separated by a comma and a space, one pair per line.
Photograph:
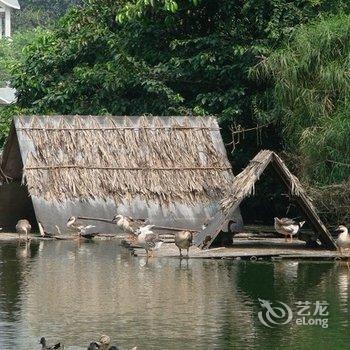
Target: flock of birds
143, 235
102, 344
142, 232
290, 228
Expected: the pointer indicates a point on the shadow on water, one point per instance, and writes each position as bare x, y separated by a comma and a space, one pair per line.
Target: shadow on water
71, 292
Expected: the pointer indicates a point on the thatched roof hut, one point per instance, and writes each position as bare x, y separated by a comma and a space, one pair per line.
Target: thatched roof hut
243, 186
173, 170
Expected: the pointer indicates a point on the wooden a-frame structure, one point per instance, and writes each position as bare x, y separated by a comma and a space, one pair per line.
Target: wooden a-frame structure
243, 186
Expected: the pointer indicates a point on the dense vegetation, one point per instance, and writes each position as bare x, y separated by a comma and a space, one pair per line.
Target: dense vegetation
43, 13
310, 102
203, 57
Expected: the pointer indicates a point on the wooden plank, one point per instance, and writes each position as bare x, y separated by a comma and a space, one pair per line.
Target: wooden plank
271, 250
205, 238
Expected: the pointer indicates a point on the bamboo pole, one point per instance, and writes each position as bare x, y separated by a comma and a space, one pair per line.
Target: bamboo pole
155, 226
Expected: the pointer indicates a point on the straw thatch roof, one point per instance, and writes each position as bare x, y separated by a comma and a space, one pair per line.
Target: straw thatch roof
243, 186
244, 183
155, 159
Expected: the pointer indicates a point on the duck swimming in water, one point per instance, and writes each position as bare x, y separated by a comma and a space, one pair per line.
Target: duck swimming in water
93, 346
288, 227
103, 344
47, 347
147, 239
183, 240
23, 227
343, 240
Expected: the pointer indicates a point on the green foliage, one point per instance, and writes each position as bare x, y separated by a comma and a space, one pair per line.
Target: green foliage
6, 115
311, 98
11, 52
138, 8
194, 59
174, 57
40, 13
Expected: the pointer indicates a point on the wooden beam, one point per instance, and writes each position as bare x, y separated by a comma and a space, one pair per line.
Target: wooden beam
163, 228
206, 237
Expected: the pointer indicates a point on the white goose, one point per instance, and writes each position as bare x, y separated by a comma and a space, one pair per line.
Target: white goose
343, 240
73, 225
127, 223
147, 239
288, 227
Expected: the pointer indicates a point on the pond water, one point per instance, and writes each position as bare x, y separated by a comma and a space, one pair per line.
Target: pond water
72, 293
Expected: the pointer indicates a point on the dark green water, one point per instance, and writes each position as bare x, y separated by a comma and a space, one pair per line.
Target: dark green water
72, 293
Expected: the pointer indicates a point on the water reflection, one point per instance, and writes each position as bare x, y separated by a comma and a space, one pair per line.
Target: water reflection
72, 291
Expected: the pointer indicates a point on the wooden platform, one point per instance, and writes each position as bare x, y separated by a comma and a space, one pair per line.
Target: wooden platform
8, 237
250, 249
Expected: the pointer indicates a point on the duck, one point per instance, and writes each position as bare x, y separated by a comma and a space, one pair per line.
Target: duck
97, 346
147, 239
343, 240
47, 347
288, 227
93, 346
79, 229
23, 227
127, 223
103, 343
183, 240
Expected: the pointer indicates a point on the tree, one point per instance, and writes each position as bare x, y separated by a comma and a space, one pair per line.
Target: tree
190, 58
195, 59
311, 95
310, 102
40, 13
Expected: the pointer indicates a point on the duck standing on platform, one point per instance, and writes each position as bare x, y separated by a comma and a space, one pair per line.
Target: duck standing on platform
183, 240
147, 239
73, 225
23, 227
288, 227
343, 240
127, 223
